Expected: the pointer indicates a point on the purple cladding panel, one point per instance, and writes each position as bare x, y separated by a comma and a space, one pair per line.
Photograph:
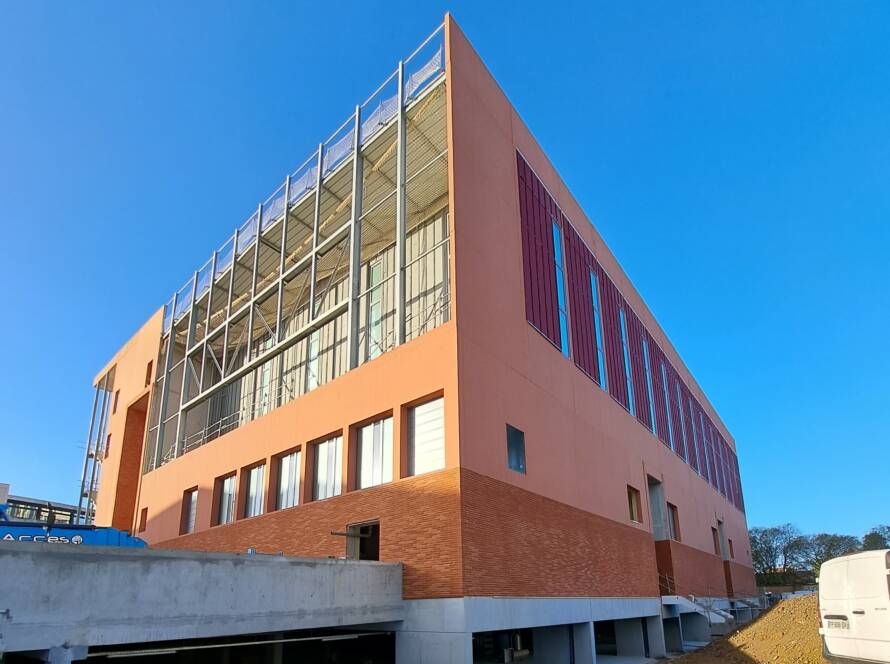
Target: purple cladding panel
537, 210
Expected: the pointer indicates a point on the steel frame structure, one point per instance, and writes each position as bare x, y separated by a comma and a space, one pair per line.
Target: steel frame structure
340, 150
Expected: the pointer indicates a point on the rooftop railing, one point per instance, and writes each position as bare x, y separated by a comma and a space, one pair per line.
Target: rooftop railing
420, 69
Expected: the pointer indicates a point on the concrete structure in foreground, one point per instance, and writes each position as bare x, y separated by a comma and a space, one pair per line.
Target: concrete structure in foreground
419, 349
108, 596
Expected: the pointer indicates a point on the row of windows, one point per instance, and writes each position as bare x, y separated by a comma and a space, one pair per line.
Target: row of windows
373, 466
672, 519
574, 304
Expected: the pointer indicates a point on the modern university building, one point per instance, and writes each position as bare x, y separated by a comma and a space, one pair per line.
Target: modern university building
419, 350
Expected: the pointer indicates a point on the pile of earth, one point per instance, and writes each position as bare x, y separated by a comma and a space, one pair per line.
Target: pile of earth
786, 634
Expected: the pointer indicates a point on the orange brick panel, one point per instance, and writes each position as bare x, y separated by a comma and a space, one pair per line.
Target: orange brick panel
517, 543
419, 526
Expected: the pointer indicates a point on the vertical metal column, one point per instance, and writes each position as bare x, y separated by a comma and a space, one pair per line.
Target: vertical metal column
256, 257
229, 303
315, 221
400, 211
162, 411
86, 457
100, 432
207, 317
185, 362
282, 258
355, 243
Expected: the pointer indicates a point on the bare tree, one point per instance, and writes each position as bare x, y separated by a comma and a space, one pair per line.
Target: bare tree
876, 538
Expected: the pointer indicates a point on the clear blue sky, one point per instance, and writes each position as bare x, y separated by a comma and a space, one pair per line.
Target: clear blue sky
747, 142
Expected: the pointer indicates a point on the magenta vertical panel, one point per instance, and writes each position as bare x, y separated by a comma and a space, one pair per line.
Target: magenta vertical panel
656, 357
580, 302
539, 278
612, 302
635, 333
680, 444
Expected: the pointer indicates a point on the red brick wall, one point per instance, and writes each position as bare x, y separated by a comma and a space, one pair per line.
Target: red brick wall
122, 516
695, 572
743, 581
419, 526
517, 543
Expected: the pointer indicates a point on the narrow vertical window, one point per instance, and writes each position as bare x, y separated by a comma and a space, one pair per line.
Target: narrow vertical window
716, 537
375, 310
667, 406
426, 437
694, 439
189, 511
634, 506
225, 509
598, 330
625, 348
515, 449
328, 466
312, 361
143, 520
253, 500
704, 445
561, 290
649, 391
673, 522
288, 480
374, 454
682, 423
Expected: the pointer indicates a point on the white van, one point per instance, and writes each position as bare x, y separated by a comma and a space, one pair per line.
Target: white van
854, 607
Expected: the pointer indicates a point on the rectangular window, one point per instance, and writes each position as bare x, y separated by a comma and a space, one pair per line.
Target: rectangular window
107, 445
375, 309
328, 468
731, 549
625, 348
598, 330
649, 391
148, 372
426, 437
143, 519
634, 507
515, 449
288, 480
253, 498
694, 439
117, 396
674, 522
667, 405
561, 290
716, 537
704, 446
189, 511
374, 453
312, 360
225, 508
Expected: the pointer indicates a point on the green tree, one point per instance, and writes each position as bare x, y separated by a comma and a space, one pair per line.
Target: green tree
876, 538
826, 546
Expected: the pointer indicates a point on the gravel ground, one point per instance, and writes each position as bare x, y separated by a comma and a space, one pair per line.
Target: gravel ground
786, 634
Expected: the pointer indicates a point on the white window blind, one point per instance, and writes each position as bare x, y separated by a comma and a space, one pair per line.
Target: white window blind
328, 466
289, 480
426, 437
227, 500
375, 453
253, 502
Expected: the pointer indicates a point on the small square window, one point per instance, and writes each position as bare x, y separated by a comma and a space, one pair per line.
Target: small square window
634, 506
515, 449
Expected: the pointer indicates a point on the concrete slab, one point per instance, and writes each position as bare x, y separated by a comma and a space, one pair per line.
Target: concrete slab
56, 595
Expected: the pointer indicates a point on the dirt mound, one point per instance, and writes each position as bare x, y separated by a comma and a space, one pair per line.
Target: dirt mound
786, 634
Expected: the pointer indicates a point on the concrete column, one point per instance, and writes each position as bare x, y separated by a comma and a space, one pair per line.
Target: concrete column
695, 627
434, 647
585, 643
552, 644
629, 638
673, 635
655, 630
64, 654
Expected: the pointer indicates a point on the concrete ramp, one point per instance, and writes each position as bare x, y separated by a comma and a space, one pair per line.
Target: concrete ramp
60, 595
